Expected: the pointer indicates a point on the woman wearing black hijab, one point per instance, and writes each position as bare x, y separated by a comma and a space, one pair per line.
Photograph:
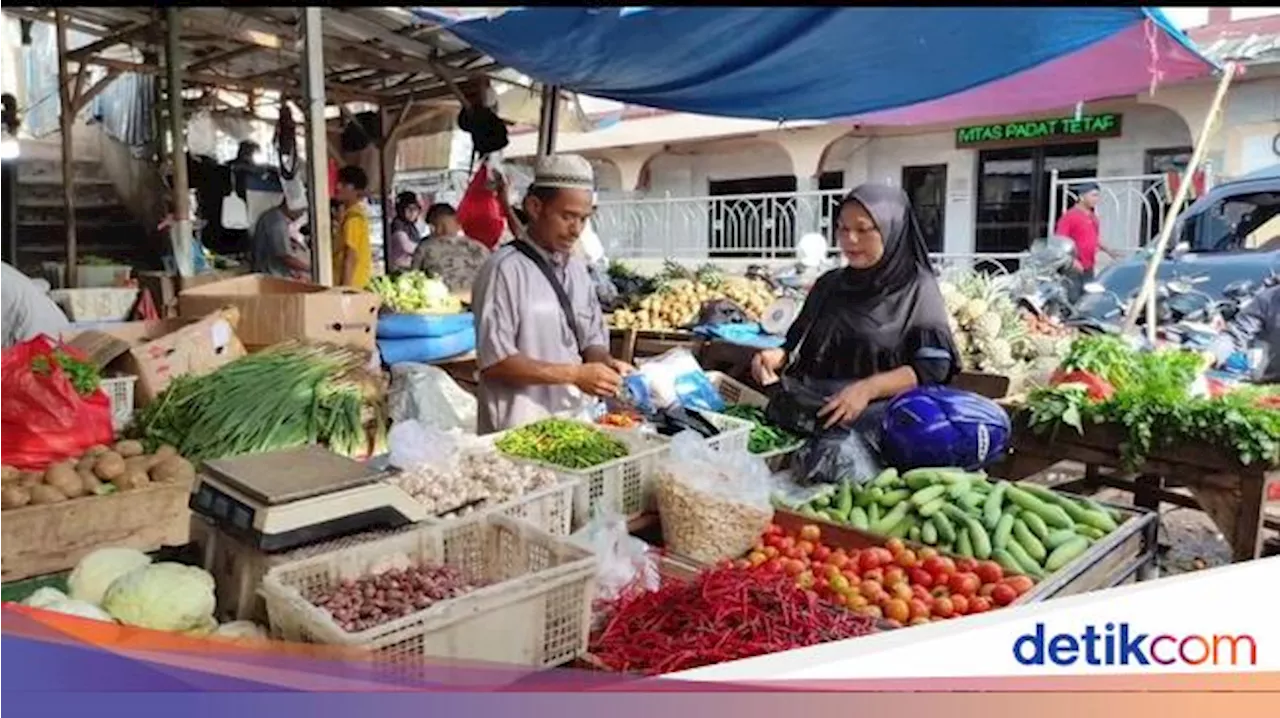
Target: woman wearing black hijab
873, 329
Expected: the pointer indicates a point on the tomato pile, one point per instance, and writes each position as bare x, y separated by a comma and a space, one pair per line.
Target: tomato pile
901, 585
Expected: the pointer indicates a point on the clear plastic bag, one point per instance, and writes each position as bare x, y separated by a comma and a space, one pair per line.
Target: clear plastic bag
413, 445
429, 395
624, 561
713, 504
674, 377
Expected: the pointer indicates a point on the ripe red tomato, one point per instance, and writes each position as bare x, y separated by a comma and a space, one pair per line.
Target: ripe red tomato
839, 559
773, 565
939, 566
1021, 584
786, 543
891, 623
964, 583
989, 572
896, 609
875, 574
820, 553
961, 604
771, 551
870, 588
920, 577
895, 546
894, 575
979, 605
943, 607
810, 532
1004, 594
793, 567
805, 546
902, 591
868, 560
940, 590
908, 559
775, 530
966, 564
927, 553
919, 621
986, 589
923, 594
918, 608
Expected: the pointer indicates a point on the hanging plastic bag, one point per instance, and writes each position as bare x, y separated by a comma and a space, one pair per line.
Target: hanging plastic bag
480, 213
235, 213
44, 416
713, 504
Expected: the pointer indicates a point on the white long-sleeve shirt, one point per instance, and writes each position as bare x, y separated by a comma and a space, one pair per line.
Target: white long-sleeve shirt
28, 310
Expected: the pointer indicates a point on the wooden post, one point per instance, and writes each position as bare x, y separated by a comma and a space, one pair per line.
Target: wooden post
67, 120
1147, 292
386, 170
317, 144
549, 120
180, 231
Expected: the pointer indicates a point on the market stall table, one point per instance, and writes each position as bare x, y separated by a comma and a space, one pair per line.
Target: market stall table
1232, 494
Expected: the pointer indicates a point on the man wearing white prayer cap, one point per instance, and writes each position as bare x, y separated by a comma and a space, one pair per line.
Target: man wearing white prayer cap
541, 342
277, 249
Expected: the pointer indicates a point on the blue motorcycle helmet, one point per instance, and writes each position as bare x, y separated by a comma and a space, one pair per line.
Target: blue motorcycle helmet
934, 426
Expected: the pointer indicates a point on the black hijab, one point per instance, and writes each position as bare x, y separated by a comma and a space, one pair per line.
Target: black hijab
860, 322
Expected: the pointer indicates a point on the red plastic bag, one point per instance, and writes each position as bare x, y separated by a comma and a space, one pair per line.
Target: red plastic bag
480, 212
42, 417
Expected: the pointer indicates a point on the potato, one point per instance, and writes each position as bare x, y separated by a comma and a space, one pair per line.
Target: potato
165, 451
109, 466
96, 449
63, 477
42, 494
86, 463
128, 448
14, 497
174, 469
89, 481
8, 473
131, 480
30, 478
138, 463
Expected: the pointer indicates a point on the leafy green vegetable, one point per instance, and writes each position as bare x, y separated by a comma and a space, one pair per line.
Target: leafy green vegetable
1154, 405
84, 376
764, 436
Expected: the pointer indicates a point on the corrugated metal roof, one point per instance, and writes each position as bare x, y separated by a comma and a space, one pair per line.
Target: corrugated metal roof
1250, 49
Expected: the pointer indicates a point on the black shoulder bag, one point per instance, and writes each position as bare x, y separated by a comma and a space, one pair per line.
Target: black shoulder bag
527, 250
793, 405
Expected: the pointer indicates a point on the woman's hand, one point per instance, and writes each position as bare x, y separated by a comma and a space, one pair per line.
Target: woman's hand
765, 365
847, 405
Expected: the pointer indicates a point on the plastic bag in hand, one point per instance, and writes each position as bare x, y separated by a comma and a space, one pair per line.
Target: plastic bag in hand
674, 377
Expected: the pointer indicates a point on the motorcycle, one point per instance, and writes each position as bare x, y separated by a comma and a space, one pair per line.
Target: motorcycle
1043, 285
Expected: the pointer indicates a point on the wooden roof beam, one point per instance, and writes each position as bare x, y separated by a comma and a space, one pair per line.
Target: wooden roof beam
220, 57
116, 37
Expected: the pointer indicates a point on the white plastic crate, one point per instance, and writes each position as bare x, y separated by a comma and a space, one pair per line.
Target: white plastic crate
535, 609
119, 389
735, 392
88, 276
549, 509
103, 304
734, 432
623, 485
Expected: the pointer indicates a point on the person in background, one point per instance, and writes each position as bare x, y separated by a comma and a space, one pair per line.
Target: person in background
449, 254
1080, 224
353, 250
533, 359
275, 248
28, 310
405, 236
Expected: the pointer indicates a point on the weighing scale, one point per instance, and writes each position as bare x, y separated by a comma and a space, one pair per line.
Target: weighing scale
281, 500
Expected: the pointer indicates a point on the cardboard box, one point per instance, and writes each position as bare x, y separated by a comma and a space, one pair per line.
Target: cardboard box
274, 310
158, 351
165, 286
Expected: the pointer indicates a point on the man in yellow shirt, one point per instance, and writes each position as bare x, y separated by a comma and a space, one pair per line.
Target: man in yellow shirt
352, 252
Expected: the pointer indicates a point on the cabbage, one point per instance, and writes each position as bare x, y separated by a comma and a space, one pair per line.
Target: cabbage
164, 597
95, 572
83, 609
241, 631
44, 597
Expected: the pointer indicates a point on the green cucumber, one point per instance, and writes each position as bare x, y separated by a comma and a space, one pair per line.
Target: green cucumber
888, 521
972, 500
928, 495
891, 499
885, 478
844, 498
1029, 565
979, 539
1066, 553
858, 518
1003, 528
873, 515
929, 533
914, 534
963, 546
1092, 532
958, 488
1052, 514
991, 508
1007, 561
1023, 536
946, 530
1036, 524
1058, 537
932, 507
900, 529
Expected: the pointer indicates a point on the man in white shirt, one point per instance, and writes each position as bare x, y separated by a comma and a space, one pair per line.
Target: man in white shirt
28, 310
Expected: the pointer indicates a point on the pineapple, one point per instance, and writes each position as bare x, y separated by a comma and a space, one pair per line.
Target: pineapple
986, 327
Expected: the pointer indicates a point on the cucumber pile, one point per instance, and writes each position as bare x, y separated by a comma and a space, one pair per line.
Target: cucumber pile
1027, 529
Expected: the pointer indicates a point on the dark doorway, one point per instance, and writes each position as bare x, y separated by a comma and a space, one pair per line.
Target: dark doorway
1013, 193
829, 202
752, 217
926, 187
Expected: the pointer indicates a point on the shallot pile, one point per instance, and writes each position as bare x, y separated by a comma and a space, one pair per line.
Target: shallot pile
478, 478
360, 604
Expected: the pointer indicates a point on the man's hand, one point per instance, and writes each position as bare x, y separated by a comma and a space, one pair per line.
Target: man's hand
619, 366
597, 379
847, 405
765, 365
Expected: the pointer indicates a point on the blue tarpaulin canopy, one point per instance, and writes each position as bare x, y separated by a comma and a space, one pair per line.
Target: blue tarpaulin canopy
823, 63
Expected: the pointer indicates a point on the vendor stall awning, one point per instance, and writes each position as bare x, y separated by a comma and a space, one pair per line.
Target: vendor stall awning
888, 65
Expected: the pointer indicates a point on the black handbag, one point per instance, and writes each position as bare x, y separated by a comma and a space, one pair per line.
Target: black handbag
793, 404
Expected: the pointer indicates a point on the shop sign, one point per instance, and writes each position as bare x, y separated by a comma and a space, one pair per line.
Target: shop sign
1061, 129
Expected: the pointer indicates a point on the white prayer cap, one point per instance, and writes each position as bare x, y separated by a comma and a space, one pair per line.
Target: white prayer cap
564, 172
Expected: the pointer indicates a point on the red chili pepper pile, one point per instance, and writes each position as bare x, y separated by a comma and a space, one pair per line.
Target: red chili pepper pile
723, 615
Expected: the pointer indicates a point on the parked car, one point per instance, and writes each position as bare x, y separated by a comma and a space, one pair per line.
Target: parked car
1229, 236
